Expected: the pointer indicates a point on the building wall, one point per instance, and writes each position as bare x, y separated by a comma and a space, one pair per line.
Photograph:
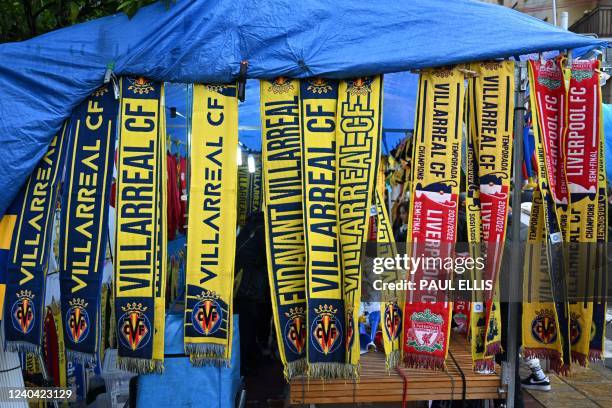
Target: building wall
543, 8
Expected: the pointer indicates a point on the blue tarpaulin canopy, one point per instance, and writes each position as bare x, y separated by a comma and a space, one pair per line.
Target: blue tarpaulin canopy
43, 79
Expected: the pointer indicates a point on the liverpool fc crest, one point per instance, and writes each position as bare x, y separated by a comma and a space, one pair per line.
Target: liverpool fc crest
425, 333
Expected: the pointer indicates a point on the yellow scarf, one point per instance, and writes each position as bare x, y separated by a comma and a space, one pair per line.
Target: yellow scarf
211, 242
284, 222
141, 242
359, 117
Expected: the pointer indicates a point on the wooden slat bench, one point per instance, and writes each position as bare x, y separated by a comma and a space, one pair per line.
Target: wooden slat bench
378, 385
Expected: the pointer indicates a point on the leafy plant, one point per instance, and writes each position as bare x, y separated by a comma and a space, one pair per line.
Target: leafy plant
23, 19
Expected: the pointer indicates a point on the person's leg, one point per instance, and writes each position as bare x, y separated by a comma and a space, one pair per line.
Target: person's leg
537, 380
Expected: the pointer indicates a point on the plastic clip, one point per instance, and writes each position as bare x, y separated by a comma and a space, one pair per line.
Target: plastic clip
110, 77
244, 65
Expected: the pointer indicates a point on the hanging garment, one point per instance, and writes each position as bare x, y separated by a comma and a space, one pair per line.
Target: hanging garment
433, 215
174, 199
84, 219
29, 254
358, 134
284, 221
325, 317
183, 194
491, 97
211, 242
141, 233
548, 100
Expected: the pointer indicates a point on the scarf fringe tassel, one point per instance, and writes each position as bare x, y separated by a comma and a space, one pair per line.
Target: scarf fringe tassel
328, 371
392, 359
484, 365
553, 356
82, 358
23, 347
595, 355
493, 349
207, 354
140, 365
579, 358
295, 368
428, 362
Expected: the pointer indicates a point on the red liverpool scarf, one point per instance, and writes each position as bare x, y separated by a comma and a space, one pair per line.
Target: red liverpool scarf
433, 215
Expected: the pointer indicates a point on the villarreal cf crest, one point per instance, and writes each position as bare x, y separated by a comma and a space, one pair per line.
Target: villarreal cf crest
393, 320
134, 326
280, 85
77, 320
140, 85
22, 312
360, 86
544, 327
326, 330
295, 330
575, 328
207, 314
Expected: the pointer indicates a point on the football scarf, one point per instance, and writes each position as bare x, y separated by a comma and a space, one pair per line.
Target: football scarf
211, 242
325, 317
477, 316
283, 217
390, 309
140, 236
359, 119
254, 188
492, 96
30, 249
596, 350
243, 189
54, 350
540, 323
84, 221
581, 154
433, 216
7, 226
548, 101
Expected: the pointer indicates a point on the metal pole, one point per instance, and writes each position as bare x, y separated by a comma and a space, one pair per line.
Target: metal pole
554, 12
511, 365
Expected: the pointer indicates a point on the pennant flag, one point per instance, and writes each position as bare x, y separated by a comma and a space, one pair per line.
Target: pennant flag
433, 216
359, 120
211, 242
140, 237
30, 249
548, 100
84, 221
284, 221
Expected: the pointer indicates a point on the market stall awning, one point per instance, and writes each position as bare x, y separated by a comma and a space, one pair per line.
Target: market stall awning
43, 79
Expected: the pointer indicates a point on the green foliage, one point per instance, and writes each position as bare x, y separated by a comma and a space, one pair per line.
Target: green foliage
23, 19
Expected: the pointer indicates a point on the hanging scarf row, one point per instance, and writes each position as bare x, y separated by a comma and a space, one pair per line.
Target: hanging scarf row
320, 142
566, 106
